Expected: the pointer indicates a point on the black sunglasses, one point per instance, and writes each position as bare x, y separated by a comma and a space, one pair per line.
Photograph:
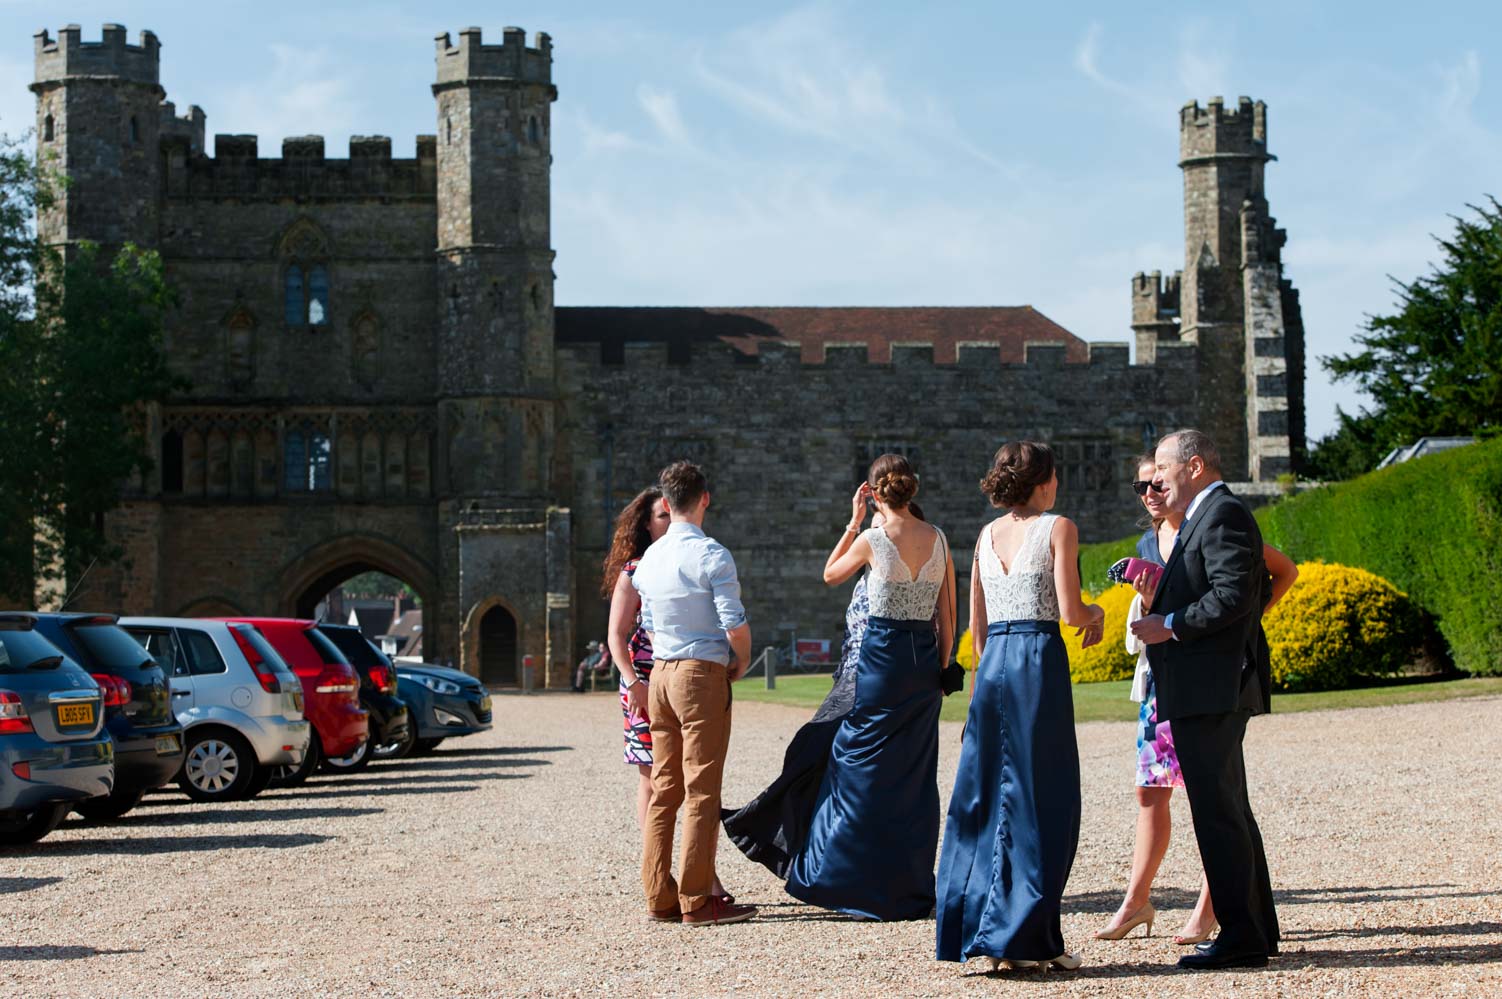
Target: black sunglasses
1141, 488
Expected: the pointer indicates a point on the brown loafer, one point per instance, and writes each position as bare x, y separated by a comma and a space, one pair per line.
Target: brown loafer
672, 915
714, 912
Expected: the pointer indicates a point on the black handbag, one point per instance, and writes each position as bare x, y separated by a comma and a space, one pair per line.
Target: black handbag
952, 678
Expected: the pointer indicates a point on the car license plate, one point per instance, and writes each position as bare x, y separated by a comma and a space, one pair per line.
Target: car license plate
75, 714
485, 703
166, 745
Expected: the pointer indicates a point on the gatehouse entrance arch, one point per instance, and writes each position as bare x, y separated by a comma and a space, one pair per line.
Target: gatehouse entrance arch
309, 577
498, 648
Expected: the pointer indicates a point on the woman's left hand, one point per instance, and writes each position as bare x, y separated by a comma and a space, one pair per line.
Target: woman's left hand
858, 504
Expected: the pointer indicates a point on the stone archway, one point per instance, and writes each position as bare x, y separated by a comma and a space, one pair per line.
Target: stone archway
211, 606
314, 572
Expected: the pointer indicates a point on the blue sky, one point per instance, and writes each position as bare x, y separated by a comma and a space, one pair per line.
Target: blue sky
842, 153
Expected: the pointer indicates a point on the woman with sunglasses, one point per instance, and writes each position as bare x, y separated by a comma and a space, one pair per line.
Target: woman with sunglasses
1157, 765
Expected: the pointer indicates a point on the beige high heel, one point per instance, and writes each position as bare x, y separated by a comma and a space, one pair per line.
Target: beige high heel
1146, 914
1184, 941
1064, 962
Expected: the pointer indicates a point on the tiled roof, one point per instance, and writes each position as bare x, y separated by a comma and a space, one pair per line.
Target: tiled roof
944, 328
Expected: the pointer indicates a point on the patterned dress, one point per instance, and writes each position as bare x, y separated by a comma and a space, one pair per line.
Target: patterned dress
638, 728
1157, 763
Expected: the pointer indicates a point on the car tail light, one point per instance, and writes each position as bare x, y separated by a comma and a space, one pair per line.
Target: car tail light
13, 716
116, 691
270, 682
383, 679
21, 770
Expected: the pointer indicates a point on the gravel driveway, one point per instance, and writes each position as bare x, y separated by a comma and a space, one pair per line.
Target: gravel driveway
505, 864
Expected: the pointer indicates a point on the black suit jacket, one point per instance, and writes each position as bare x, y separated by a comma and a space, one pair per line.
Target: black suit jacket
1215, 585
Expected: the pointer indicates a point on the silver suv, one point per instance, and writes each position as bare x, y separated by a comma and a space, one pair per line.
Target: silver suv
240, 705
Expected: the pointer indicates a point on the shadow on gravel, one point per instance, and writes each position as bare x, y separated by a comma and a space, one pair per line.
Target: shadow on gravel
430, 763
175, 844
1377, 893
1109, 901
42, 952
395, 780
230, 816
494, 751
13, 886
1447, 930
354, 792
1383, 957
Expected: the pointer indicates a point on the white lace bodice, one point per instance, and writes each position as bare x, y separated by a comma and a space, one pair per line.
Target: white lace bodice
891, 587
1026, 593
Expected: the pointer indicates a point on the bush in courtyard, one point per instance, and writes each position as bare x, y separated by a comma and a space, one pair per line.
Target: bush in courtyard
1338, 624
1108, 660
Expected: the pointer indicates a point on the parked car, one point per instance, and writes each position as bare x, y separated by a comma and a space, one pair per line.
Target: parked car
389, 718
330, 686
54, 749
444, 703
240, 705
137, 706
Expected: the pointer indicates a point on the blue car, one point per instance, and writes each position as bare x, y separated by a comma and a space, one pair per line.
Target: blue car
442, 702
138, 708
54, 750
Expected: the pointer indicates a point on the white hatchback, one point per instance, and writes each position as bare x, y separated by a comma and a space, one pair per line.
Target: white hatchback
239, 703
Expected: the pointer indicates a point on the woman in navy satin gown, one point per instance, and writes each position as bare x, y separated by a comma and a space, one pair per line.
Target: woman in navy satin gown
1014, 816
870, 846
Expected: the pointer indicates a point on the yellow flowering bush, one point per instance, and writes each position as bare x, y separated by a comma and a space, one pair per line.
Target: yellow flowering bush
1339, 623
964, 652
1109, 659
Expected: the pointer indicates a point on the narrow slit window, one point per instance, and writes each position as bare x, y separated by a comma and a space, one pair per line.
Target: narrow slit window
172, 463
318, 296
320, 458
47, 129
293, 295
135, 130
533, 133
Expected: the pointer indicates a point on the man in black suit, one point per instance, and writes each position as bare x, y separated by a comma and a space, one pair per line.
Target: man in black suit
1210, 666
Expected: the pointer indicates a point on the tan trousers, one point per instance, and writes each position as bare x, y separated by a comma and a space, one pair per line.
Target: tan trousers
688, 701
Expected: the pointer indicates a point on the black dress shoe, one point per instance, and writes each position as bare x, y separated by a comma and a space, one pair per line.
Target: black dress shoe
1213, 957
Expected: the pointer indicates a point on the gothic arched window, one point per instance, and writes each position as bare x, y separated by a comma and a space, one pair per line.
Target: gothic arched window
304, 251
306, 456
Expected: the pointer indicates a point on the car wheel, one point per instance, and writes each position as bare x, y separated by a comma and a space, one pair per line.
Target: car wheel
358, 759
110, 806
398, 749
422, 747
259, 780
217, 766
18, 828
290, 776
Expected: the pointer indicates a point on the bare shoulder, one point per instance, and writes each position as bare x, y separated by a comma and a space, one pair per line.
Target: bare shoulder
1064, 532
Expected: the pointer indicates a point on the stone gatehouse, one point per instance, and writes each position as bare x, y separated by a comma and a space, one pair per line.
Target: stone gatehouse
380, 378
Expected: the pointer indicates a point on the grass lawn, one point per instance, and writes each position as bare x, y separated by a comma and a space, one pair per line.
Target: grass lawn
1108, 701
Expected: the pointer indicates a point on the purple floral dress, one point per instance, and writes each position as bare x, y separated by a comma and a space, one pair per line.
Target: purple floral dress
1157, 763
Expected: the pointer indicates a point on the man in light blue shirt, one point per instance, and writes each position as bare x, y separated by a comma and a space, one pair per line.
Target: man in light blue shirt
701, 644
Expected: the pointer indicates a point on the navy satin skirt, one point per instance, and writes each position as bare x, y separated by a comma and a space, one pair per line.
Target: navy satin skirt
871, 844
1014, 817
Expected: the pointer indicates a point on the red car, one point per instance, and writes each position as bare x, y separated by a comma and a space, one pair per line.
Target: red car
331, 690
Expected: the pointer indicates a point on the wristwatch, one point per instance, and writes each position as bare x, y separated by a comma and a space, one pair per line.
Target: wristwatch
635, 682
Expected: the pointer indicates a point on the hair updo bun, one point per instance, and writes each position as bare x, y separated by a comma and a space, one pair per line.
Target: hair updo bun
892, 481
1018, 468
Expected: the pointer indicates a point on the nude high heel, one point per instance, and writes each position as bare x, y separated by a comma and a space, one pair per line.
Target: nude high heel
1146, 914
1184, 941
1064, 962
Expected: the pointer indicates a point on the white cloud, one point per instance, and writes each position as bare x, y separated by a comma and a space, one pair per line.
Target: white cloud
661, 107
1461, 84
305, 92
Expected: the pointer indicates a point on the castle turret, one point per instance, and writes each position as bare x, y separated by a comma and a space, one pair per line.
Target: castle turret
495, 264
98, 122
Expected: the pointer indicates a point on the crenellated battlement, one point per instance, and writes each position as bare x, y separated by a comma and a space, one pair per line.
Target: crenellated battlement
235, 169
1155, 298
69, 56
188, 128
511, 61
1212, 132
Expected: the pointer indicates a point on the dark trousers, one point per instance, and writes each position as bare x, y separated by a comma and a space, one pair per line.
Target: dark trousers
1209, 751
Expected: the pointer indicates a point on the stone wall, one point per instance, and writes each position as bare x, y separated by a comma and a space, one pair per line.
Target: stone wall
785, 443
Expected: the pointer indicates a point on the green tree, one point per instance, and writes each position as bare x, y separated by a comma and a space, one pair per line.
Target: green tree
80, 357
1435, 366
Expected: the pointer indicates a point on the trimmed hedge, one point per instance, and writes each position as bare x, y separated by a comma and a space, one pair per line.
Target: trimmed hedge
1432, 526
1097, 558
1337, 625
1108, 659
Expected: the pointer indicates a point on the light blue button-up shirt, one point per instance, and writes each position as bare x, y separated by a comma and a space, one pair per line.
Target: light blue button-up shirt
690, 595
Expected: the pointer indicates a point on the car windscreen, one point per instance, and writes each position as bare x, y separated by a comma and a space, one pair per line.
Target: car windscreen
263, 648
109, 646
327, 650
21, 650
355, 648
